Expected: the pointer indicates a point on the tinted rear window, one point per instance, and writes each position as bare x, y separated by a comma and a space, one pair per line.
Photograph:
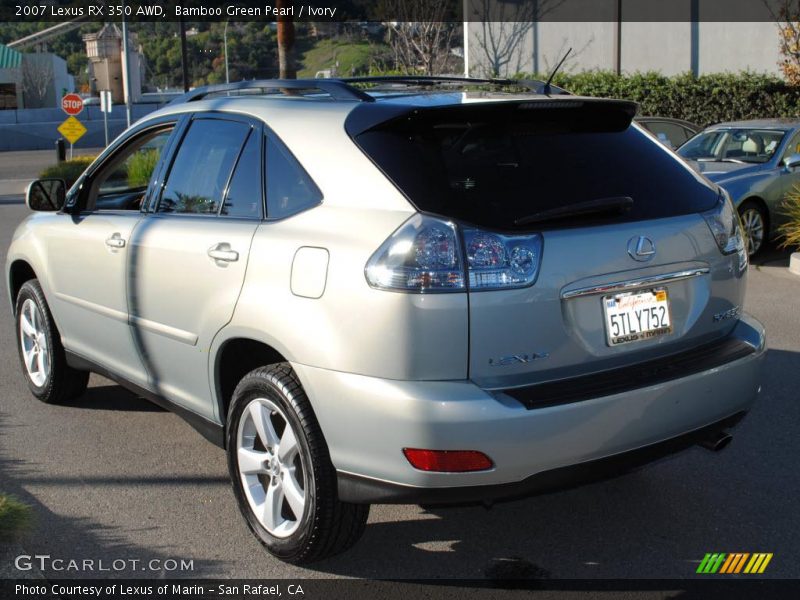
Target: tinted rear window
493, 166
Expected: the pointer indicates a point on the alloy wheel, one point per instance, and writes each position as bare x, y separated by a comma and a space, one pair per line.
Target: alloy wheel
33, 339
753, 223
272, 467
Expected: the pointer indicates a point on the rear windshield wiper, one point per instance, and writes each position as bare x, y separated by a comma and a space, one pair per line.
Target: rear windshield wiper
613, 205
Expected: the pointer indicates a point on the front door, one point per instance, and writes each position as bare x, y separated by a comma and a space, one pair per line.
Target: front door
89, 255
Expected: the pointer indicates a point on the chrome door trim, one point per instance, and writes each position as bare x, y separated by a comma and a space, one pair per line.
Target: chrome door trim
630, 284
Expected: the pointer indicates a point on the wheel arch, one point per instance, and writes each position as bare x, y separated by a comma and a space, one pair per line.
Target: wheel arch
19, 272
235, 357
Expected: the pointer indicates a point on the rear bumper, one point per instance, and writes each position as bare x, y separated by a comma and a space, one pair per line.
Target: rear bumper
367, 421
365, 490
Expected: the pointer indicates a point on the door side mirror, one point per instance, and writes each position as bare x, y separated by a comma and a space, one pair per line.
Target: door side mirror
49, 194
791, 162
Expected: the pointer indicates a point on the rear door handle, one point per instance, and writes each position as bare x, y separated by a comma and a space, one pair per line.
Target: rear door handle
223, 252
115, 241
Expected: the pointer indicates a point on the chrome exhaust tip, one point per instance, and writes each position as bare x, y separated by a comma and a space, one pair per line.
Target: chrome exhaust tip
717, 441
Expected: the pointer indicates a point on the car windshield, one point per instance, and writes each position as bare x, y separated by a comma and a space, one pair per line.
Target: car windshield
733, 145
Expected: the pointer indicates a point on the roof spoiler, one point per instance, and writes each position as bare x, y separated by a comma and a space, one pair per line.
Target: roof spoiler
570, 112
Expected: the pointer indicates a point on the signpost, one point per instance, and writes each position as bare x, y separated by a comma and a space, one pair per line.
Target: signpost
72, 129
105, 107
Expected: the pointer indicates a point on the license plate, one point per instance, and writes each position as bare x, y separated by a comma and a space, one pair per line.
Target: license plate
636, 316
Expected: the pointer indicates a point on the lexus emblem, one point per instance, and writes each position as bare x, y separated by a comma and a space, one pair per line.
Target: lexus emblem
641, 248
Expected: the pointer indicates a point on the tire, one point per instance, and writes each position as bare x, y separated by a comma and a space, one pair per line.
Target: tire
41, 355
298, 478
756, 226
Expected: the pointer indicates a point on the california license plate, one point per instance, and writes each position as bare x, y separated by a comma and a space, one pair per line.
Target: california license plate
636, 316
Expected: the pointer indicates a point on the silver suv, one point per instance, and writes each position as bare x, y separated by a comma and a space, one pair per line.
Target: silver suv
394, 291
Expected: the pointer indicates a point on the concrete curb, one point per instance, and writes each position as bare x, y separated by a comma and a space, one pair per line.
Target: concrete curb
794, 263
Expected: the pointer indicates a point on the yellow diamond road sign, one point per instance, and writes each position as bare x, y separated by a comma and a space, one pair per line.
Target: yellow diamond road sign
72, 129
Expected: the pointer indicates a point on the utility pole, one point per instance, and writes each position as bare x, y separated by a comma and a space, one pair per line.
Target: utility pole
465, 8
286, 64
618, 39
184, 65
225, 42
126, 67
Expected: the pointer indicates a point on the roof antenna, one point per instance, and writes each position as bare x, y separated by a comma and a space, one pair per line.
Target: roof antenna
546, 88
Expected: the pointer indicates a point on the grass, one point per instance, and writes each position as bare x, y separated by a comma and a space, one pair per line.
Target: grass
69, 170
790, 230
15, 517
353, 57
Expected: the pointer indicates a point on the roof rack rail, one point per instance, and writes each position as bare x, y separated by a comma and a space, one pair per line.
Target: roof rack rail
335, 88
533, 85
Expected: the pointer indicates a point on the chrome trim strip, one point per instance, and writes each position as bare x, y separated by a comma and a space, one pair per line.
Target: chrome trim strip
630, 284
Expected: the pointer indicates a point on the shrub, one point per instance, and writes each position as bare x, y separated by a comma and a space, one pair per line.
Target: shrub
68, 170
790, 230
14, 516
703, 100
141, 166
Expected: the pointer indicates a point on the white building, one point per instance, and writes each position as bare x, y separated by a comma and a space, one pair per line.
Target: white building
34, 80
506, 48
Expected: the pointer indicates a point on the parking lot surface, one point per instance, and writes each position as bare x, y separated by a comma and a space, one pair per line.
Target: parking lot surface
114, 477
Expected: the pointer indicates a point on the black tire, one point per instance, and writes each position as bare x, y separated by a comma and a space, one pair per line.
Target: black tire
747, 207
62, 383
328, 526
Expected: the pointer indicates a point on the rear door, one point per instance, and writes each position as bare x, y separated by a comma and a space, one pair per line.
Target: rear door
190, 253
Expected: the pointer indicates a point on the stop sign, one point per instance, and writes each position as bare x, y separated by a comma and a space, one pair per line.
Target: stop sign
72, 104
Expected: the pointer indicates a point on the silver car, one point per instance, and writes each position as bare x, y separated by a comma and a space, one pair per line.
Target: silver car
371, 293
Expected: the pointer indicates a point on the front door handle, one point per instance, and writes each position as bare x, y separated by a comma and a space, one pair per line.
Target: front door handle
115, 241
223, 252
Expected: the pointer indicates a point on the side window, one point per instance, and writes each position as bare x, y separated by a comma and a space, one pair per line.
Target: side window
202, 166
122, 183
793, 147
670, 134
245, 193
289, 188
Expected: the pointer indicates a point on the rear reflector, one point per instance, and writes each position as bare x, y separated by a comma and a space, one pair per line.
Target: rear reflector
450, 461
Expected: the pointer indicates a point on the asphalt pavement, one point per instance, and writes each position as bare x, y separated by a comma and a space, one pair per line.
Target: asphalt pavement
114, 477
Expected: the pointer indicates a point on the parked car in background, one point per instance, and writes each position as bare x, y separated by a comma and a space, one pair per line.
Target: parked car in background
756, 162
670, 132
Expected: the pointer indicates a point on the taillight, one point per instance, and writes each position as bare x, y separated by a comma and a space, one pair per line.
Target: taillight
723, 220
496, 261
425, 256
422, 256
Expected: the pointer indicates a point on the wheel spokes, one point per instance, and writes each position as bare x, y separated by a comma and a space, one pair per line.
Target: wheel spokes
273, 507
288, 444
27, 326
251, 462
30, 359
295, 496
261, 419
40, 362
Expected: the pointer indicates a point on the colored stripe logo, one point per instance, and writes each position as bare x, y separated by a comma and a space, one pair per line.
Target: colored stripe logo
735, 562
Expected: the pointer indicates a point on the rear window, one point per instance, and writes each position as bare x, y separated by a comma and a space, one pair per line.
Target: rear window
495, 165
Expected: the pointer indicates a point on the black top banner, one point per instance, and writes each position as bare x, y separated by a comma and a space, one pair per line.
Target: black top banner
398, 10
